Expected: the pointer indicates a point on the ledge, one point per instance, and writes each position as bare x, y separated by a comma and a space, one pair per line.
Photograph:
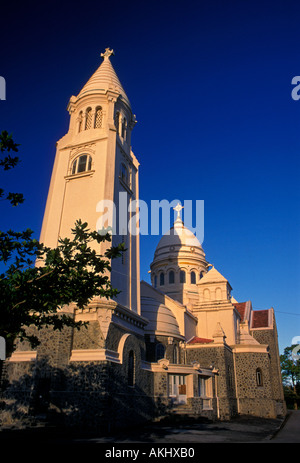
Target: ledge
86, 173
250, 348
23, 356
94, 355
161, 367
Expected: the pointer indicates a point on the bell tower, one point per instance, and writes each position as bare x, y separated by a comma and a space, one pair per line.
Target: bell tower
95, 167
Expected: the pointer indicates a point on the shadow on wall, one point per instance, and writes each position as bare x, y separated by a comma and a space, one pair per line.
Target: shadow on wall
82, 395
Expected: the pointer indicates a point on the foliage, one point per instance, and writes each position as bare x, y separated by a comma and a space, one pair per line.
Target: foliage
8, 162
290, 370
290, 367
38, 281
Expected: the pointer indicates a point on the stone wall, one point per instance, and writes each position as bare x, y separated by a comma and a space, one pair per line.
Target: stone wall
254, 399
222, 359
89, 337
270, 337
98, 394
160, 393
88, 394
197, 405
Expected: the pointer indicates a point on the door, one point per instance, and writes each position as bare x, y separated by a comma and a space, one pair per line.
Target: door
177, 388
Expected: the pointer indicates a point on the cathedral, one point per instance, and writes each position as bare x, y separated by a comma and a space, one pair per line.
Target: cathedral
180, 345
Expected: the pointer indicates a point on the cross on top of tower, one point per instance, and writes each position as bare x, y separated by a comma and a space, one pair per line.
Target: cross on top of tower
178, 208
108, 52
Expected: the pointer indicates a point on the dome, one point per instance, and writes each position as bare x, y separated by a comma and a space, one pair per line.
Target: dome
178, 235
179, 239
161, 319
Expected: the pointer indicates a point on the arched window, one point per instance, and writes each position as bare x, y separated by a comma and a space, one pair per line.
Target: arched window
175, 355
124, 174
74, 166
117, 122
182, 276
88, 119
206, 294
193, 278
218, 294
171, 277
80, 117
98, 118
162, 279
201, 275
81, 164
159, 352
124, 127
259, 378
131, 369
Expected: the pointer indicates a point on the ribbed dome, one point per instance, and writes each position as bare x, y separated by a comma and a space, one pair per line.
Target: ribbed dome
161, 319
179, 239
104, 78
178, 235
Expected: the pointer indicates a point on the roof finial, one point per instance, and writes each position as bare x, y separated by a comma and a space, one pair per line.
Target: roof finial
108, 52
178, 209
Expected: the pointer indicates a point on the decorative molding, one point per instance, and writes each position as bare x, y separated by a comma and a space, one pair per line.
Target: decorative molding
104, 317
83, 149
23, 356
250, 348
94, 355
219, 334
87, 173
121, 346
196, 365
108, 312
164, 365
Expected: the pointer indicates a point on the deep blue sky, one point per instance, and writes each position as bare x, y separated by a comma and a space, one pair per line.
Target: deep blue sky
210, 84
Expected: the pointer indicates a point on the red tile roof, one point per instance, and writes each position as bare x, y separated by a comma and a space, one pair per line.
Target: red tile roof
196, 340
241, 308
260, 319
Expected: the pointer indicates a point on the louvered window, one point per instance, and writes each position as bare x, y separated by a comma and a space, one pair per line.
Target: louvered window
98, 118
88, 119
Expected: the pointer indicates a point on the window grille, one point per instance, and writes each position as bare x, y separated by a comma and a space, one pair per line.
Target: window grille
88, 120
98, 118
